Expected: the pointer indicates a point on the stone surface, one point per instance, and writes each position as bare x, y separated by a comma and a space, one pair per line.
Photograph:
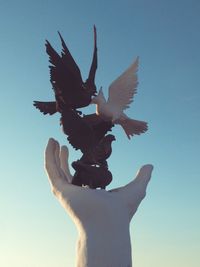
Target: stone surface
102, 217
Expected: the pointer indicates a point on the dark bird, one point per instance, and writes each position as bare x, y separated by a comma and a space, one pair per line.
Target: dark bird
92, 176
65, 76
101, 153
87, 134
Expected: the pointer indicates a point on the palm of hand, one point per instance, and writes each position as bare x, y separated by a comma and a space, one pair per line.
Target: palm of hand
100, 216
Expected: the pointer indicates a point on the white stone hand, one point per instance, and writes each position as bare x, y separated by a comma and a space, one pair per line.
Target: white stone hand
102, 217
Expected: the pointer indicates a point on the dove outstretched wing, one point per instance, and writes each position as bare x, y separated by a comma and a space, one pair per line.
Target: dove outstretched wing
123, 89
65, 75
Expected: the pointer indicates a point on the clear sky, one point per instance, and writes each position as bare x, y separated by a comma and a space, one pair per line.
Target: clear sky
34, 229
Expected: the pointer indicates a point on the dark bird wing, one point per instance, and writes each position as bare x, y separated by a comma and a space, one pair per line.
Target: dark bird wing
65, 76
46, 107
69, 61
90, 82
99, 126
80, 133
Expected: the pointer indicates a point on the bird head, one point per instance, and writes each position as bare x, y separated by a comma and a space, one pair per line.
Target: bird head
99, 98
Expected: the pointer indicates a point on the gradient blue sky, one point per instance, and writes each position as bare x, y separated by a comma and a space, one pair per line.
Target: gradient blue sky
34, 229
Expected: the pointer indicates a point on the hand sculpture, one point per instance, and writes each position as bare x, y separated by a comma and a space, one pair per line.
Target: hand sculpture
102, 217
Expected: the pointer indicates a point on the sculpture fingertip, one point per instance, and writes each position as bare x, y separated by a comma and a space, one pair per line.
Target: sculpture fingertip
50, 142
51, 139
53, 143
65, 150
148, 168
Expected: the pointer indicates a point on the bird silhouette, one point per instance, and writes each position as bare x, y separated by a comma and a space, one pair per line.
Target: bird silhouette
91, 176
65, 76
121, 93
101, 153
86, 133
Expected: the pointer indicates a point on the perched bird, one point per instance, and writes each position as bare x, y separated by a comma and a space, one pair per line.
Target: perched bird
121, 93
91, 176
101, 153
86, 133
65, 76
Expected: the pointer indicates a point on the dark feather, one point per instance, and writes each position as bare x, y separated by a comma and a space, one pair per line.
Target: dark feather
68, 60
100, 126
80, 134
101, 152
46, 107
90, 82
67, 84
65, 76
83, 132
91, 176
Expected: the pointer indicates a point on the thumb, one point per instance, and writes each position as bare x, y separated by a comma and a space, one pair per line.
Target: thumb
134, 192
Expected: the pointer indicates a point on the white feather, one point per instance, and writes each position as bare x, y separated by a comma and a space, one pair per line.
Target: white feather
122, 90
121, 93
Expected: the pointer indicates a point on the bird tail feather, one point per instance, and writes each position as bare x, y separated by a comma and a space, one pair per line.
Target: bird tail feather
132, 127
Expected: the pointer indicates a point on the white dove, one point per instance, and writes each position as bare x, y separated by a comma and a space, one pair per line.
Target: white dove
121, 92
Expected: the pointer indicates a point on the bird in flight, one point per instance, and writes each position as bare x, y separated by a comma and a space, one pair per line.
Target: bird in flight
65, 76
121, 93
87, 133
